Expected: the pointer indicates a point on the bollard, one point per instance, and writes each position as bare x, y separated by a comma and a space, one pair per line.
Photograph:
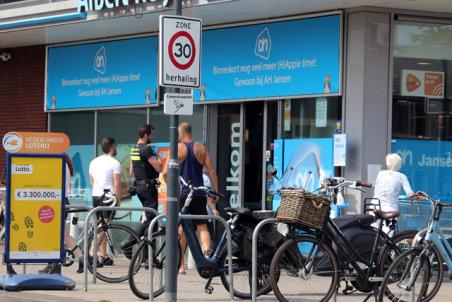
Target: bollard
85, 234
229, 247
254, 256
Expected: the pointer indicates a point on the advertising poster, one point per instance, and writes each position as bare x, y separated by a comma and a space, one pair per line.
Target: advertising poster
272, 60
35, 195
422, 83
427, 164
340, 150
163, 152
302, 163
81, 156
103, 74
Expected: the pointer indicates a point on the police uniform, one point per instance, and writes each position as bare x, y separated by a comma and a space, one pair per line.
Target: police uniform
146, 177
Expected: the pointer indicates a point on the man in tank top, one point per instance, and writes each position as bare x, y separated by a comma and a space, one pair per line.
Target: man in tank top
193, 157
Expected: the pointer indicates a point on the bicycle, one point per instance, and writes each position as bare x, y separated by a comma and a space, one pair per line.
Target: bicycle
208, 268
424, 261
115, 270
322, 258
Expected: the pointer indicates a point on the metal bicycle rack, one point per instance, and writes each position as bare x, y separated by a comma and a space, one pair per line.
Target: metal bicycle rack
206, 217
85, 234
259, 226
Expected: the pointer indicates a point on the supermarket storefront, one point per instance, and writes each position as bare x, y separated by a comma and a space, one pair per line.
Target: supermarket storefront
260, 82
380, 75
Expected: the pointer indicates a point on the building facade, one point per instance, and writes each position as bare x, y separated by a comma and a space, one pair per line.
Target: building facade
280, 81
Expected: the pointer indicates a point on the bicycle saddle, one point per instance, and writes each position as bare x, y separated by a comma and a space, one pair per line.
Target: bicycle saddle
386, 215
239, 211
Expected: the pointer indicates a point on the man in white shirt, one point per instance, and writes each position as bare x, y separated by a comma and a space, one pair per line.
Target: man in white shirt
105, 174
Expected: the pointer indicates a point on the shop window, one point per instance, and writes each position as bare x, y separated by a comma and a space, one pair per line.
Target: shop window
122, 126
311, 118
161, 123
79, 126
422, 105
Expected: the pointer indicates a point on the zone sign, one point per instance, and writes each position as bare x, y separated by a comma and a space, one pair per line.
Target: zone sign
180, 51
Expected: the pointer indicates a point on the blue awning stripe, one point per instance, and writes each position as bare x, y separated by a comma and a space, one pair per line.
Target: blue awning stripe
42, 20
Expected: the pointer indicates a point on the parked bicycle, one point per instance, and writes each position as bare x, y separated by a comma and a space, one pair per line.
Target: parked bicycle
417, 274
216, 265
310, 265
115, 270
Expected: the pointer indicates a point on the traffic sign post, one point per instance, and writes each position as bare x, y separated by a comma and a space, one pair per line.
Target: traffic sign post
180, 52
179, 66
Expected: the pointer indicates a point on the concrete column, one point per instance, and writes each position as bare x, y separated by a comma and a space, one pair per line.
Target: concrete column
367, 95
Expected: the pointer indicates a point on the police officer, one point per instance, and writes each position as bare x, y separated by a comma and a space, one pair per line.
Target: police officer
145, 166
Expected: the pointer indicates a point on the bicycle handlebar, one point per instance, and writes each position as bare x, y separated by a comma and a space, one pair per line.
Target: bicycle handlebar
208, 191
363, 184
350, 184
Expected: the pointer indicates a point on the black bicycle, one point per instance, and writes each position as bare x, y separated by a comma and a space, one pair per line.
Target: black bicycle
310, 265
242, 223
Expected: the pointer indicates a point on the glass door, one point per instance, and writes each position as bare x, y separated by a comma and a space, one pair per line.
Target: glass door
254, 154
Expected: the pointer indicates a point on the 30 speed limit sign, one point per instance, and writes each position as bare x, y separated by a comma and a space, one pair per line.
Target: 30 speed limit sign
179, 51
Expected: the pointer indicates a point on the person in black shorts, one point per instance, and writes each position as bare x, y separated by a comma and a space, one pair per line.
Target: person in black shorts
145, 166
193, 157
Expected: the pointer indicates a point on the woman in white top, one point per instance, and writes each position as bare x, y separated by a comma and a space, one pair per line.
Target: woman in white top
389, 185
390, 182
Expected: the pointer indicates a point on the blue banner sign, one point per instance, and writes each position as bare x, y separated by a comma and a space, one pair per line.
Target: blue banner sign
104, 74
427, 164
302, 163
280, 59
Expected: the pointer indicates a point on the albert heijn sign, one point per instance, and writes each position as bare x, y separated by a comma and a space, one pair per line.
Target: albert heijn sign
35, 142
180, 52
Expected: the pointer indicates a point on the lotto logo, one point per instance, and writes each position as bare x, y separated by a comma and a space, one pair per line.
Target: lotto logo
263, 44
22, 169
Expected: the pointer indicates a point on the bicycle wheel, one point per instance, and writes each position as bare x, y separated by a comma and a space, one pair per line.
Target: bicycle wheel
303, 269
242, 275
115, 271
139, 267
403, 241
404, 270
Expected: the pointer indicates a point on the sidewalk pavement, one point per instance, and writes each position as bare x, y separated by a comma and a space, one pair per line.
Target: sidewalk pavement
191, 288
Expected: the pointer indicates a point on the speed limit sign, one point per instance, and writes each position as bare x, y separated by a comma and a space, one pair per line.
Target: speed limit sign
179, 51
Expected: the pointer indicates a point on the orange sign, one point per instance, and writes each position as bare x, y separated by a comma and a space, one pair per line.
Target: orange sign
422, 83
163, 153
35, 142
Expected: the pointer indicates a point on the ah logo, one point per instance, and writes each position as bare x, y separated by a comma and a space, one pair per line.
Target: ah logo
407, 156
263, 44
100, 61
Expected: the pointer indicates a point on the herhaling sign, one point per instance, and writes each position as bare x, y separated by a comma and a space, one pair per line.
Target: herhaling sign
96, 5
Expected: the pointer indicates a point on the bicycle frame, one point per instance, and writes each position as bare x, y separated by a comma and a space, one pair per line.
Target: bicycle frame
436, 236
213, 262
195, 247
335, 235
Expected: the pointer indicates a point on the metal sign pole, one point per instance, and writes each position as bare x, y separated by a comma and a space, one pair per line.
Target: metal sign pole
172, 203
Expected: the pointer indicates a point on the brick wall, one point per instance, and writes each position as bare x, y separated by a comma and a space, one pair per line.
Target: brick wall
22, 93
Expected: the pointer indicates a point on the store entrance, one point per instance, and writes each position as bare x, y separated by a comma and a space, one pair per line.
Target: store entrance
245, 135
253, 155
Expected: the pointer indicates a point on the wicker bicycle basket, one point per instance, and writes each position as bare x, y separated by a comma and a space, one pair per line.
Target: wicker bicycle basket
303, 208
